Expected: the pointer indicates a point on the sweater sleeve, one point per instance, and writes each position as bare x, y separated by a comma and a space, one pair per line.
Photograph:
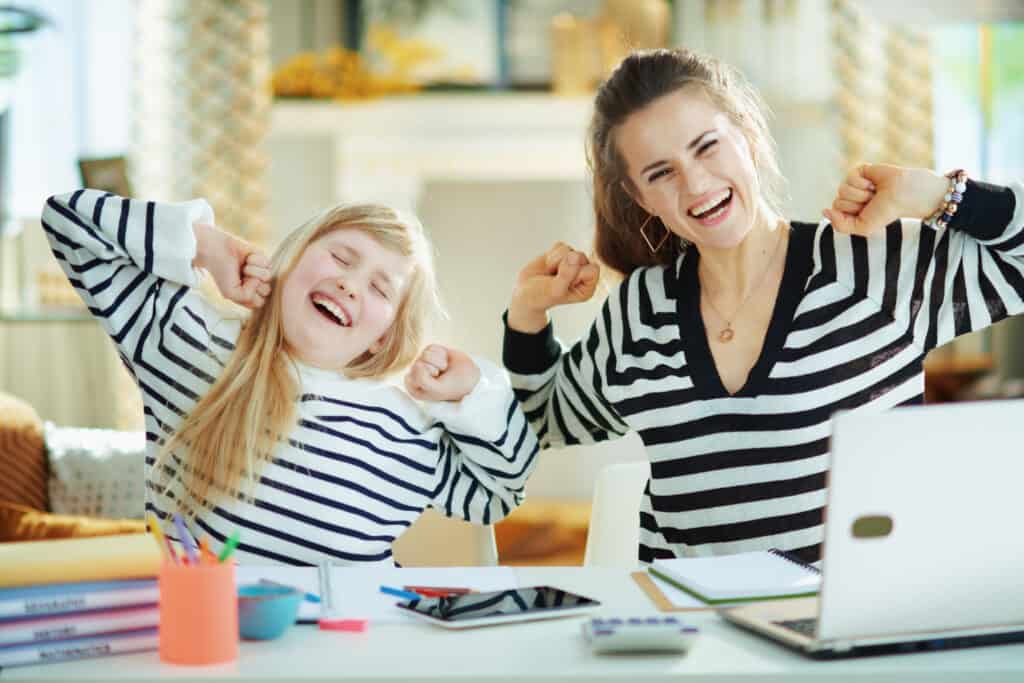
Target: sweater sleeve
487, 450
131, 262
943, 284
562, 390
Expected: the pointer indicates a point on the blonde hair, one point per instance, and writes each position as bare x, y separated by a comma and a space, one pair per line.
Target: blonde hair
232, 430
641, 78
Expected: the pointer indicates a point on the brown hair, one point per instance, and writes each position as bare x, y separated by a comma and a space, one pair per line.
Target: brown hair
232, 429
641, 78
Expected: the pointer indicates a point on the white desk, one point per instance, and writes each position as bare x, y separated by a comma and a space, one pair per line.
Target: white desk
541, 651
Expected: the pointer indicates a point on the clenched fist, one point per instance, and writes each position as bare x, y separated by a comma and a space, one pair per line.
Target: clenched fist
442, 374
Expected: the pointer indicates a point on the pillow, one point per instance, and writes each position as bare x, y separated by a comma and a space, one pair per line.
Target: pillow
96, 472
22, 454
20, 523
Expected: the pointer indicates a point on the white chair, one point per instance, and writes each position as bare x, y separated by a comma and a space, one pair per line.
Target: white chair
438, 541
614, 532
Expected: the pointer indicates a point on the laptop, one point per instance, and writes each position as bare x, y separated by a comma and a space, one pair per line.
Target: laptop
924, 536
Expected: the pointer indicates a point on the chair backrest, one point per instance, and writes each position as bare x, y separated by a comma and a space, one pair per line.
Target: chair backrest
614, 532
438, 541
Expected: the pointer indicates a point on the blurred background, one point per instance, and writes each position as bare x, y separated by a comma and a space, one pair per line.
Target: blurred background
472, 113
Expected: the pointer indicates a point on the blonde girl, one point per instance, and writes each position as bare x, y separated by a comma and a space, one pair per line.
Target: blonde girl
287, 425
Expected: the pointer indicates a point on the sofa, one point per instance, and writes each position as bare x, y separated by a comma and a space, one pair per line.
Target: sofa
38, 500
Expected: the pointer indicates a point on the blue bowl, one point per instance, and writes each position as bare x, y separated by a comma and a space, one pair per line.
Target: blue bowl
265, 612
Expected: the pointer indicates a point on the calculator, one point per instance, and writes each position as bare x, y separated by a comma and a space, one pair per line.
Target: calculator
655, 633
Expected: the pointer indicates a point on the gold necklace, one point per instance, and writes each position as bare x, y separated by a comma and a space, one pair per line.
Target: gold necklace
727, 333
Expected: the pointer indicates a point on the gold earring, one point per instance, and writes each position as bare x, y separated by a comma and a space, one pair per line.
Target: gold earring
643, 226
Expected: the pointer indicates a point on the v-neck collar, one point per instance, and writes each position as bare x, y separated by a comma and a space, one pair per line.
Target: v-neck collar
703, 371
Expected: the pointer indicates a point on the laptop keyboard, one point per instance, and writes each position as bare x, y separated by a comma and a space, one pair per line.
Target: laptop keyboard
805, 627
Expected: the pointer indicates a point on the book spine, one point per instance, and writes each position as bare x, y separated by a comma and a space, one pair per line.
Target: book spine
81, 648
65, 626
78, 602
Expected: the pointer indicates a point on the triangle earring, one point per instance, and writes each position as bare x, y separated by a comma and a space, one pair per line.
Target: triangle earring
654, 248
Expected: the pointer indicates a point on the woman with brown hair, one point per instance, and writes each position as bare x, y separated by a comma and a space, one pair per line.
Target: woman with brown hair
735, 333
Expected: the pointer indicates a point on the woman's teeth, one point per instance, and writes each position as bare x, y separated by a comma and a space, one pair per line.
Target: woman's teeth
332, 311
713, 207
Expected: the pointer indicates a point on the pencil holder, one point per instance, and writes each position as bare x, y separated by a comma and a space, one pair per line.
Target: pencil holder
198, 613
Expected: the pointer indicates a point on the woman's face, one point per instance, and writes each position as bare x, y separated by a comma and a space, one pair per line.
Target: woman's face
341, 298
691, 167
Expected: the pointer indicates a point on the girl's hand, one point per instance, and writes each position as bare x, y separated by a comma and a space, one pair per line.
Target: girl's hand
241, 271
562, 275
874, 195
442, 374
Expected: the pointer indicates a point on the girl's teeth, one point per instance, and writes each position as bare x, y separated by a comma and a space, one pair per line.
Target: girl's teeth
709, 204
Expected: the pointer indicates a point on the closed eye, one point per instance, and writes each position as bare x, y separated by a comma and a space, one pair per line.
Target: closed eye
340, 259
659, 174
382, 291
706, 146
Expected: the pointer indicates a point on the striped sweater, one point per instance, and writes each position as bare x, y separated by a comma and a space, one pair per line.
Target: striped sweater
363, 460
852, 323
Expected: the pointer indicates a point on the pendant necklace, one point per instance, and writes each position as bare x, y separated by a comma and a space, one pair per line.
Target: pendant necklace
727, 333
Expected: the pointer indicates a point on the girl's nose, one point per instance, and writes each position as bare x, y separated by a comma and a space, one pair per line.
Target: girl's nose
345, 288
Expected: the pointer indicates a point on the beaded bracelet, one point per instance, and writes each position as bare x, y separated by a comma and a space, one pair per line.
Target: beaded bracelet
951, 201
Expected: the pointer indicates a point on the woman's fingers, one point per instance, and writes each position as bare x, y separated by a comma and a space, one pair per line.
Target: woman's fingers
853, 193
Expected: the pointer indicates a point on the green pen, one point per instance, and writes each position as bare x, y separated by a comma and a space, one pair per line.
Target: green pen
229, 547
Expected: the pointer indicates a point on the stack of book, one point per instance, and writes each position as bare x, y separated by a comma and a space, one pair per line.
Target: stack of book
77, 598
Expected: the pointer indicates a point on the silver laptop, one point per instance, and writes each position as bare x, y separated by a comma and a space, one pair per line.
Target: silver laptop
924, 536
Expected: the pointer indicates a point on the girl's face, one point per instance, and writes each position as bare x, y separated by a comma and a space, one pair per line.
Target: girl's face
692, 168
341, 298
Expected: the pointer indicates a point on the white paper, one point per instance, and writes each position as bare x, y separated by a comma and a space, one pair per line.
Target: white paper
680, 598
357, 589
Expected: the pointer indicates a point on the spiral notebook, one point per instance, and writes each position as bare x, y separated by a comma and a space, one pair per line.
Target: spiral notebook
743, 577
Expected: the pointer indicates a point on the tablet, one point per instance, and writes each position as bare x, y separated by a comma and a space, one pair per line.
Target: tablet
499, 607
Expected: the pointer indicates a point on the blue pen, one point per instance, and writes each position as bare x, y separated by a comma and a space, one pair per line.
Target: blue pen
399, 593
186, 543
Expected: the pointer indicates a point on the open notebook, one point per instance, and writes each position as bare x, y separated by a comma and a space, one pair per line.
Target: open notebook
743, 577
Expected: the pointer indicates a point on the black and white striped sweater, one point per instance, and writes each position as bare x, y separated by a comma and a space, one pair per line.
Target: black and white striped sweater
364, 459
852, 323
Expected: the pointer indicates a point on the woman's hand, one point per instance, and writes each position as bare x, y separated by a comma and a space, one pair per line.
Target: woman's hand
874, 195
442, 374
241, 271
562, 275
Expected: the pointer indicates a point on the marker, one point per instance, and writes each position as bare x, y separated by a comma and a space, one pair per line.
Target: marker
185, 539
229, 546
399, 593
438, 591
166, 550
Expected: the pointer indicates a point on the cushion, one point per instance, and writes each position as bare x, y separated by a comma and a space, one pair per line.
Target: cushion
21, 523
22, 454
96, 472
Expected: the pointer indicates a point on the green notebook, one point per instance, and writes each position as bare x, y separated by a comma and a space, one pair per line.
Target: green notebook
743, 577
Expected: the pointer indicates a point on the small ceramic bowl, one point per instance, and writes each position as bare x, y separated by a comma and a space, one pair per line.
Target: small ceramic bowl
266, 611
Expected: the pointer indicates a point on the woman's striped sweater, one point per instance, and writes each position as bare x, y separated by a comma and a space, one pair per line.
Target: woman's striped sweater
852, 323
363, 460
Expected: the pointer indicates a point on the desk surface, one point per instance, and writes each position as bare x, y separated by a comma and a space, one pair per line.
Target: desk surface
539, 651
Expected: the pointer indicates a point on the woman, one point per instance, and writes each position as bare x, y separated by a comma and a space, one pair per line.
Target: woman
736, 334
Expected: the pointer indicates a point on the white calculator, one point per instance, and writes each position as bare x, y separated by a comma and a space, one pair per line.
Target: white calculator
655, 633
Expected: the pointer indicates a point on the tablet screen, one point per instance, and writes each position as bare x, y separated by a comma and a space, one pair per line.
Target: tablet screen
534, 599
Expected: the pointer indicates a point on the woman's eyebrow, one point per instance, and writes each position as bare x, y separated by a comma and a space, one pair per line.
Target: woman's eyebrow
693, 143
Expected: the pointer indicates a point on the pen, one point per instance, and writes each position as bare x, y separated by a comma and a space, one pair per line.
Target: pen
438, 591
229, 546
399, 593
186, 542
165, 546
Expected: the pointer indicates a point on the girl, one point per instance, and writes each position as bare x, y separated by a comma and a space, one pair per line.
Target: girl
284, 426
738, 333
